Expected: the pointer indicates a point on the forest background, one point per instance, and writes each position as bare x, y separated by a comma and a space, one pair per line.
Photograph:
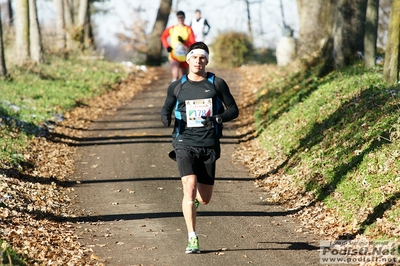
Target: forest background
336, 166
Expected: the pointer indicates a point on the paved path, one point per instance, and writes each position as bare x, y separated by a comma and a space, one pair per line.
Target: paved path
131, 195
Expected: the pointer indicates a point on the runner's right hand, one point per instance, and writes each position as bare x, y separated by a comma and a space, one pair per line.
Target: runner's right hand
166, 119
169, 49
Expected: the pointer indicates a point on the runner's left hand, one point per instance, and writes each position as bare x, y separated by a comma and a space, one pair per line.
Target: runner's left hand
181, 39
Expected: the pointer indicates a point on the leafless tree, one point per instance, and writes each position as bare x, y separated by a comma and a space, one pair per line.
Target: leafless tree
3, 69
27, 36
348, 31
82, 13
35, 39
22, 31
154, 49
392, 54
371, 33
71, 44
339, 34
384, 14
60, 24
316, 23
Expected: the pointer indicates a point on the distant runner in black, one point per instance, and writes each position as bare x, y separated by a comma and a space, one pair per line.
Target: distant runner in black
202, 103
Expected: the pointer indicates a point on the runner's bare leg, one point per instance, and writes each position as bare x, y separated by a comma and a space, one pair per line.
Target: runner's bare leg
188, 207
204, 193
175, 70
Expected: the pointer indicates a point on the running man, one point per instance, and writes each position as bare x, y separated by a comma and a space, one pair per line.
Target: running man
202, 103
200, 27
181, 37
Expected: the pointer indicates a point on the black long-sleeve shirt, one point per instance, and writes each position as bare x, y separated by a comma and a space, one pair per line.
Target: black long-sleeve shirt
204, 90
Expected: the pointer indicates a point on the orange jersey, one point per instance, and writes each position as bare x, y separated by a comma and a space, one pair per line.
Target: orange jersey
179, 50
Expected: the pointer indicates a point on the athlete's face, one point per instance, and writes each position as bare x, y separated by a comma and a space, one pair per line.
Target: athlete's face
181, 20
197, 64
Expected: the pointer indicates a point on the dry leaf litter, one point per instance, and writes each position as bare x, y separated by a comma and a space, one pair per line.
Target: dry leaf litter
36, 197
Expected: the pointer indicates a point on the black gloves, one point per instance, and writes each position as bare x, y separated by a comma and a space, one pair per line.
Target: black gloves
166, 119
209, 121
169, 49
181, 39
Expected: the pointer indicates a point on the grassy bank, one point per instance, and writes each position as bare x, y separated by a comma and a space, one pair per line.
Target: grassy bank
36, 96
337, 139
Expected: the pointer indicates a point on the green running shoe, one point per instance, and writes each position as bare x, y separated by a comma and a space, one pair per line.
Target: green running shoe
193, 246
196, 203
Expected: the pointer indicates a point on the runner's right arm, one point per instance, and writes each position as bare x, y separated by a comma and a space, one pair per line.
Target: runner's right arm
164, 37
169, 104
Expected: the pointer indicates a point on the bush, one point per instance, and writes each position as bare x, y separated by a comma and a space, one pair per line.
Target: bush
265, 56
232, 49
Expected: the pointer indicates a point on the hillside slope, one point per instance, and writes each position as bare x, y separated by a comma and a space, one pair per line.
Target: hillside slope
328, 148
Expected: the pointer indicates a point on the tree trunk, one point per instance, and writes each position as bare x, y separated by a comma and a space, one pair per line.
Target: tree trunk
3, 69
392, 54
249, 21
83, 7
348, 31
10, 13
75, 7
316, 22
35, 39
371, 33
60, 25
8, 16
22, 31
71, 44
154, 49
383, 22
88, 41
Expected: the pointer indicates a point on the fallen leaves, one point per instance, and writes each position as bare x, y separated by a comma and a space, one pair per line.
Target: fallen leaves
37, 202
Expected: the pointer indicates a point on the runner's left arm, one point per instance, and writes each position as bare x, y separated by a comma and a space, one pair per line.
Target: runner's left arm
232, 111
206, 25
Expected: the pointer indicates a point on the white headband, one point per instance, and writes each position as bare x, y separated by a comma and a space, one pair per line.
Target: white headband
196, 52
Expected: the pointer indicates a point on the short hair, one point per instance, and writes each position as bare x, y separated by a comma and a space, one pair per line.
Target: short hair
180, 13
197, 10
199, 45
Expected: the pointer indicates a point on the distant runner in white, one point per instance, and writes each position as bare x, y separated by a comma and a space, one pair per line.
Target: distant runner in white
200, 27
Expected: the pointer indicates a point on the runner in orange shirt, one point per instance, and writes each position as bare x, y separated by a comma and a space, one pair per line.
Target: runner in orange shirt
181, 37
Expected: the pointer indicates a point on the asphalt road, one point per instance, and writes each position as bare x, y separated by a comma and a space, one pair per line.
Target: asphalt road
130, 198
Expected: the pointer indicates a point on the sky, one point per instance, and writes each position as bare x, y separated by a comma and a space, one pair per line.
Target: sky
222, 15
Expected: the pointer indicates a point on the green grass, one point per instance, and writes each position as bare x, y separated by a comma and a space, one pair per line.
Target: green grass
41, 91
339, 137
35, 94
9, 256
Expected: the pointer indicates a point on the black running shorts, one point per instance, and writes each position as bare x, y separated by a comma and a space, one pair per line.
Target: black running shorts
199, 161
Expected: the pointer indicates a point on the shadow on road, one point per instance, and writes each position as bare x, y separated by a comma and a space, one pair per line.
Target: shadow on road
114, 180
161, 215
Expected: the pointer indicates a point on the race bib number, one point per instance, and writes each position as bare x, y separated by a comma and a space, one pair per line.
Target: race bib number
195, 109
180, 49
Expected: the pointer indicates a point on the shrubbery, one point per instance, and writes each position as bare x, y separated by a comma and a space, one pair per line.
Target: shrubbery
232, 49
